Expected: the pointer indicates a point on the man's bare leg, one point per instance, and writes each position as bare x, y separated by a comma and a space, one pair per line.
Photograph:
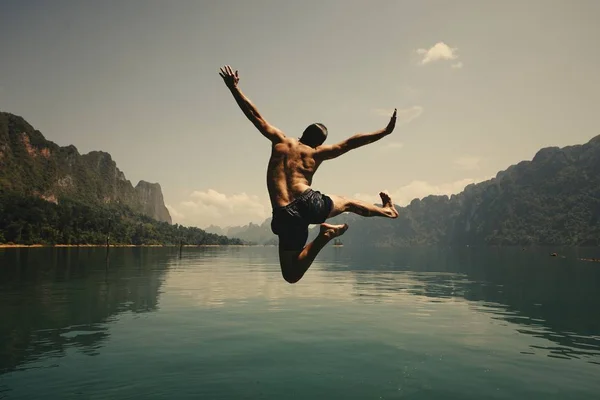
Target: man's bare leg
294, 264
342, 204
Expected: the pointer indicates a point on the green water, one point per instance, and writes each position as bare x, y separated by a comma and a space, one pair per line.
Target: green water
220, 323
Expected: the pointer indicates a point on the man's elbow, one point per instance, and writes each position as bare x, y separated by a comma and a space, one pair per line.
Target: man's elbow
348, 145
338, 150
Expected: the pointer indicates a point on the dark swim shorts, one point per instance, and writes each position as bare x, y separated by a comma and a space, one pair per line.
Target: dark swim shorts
291, 222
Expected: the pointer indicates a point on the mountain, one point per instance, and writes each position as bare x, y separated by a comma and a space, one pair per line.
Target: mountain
251, 233
152, 202
30, 165
54, 195
554, 199
217, 230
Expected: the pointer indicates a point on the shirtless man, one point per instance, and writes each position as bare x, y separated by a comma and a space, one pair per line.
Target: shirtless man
291, 168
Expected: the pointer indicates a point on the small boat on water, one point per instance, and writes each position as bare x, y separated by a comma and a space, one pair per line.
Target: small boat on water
338, 243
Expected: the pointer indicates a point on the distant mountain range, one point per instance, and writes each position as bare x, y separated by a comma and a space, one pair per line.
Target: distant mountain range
552, 199
251, 233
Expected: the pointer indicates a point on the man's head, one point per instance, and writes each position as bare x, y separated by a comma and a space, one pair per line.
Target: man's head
314, 135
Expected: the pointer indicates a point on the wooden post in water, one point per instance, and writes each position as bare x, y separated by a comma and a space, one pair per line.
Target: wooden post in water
180, 240
108, 239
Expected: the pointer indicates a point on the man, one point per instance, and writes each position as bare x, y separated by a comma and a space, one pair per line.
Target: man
291, 168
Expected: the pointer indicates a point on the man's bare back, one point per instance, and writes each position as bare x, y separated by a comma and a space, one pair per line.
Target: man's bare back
290, 172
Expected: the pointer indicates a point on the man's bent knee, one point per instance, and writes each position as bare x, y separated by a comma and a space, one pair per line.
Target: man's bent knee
289, 270
289, 274
291, 279
340, 205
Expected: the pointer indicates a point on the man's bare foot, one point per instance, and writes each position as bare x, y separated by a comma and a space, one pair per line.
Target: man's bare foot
387, 202
331, 231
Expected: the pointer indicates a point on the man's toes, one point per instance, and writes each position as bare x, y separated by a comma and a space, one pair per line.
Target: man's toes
385, 199
340, 230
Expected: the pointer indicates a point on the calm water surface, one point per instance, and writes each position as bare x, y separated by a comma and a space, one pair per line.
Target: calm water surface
220, 323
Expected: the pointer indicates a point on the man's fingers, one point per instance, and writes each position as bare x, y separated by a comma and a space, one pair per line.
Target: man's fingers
228, 75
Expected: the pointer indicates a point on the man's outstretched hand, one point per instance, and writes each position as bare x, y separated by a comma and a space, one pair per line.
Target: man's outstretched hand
390, 128
231, 79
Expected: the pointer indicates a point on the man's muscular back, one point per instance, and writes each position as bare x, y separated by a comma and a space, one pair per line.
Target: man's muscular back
290, 171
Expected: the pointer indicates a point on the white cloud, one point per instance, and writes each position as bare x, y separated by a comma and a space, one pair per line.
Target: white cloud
403, 116
213, 208
457, 65
418, 189
467, 163
439, 51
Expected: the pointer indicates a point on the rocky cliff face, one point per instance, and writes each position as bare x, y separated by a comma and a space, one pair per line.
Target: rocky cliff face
32, 165
151, 199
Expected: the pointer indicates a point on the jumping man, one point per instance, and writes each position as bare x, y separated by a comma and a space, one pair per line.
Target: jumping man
291, 168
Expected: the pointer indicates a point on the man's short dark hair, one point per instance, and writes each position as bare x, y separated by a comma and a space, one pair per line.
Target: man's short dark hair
314, 135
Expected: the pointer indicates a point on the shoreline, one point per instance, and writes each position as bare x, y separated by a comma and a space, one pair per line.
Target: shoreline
17, 246
21, 246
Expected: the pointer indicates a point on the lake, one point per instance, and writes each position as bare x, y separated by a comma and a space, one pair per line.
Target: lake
220, 323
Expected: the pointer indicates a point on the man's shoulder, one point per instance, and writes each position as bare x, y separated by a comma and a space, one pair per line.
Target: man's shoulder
287, 142
293, 145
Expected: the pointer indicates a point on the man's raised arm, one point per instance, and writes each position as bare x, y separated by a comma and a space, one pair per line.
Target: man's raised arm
327, 152
231, 80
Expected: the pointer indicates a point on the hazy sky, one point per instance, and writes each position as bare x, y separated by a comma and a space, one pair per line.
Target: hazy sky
479, 85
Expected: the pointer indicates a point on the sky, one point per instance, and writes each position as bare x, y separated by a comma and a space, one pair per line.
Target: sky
479, 86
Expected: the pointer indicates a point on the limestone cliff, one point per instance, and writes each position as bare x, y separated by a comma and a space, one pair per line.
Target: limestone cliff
151, 199
32, 165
